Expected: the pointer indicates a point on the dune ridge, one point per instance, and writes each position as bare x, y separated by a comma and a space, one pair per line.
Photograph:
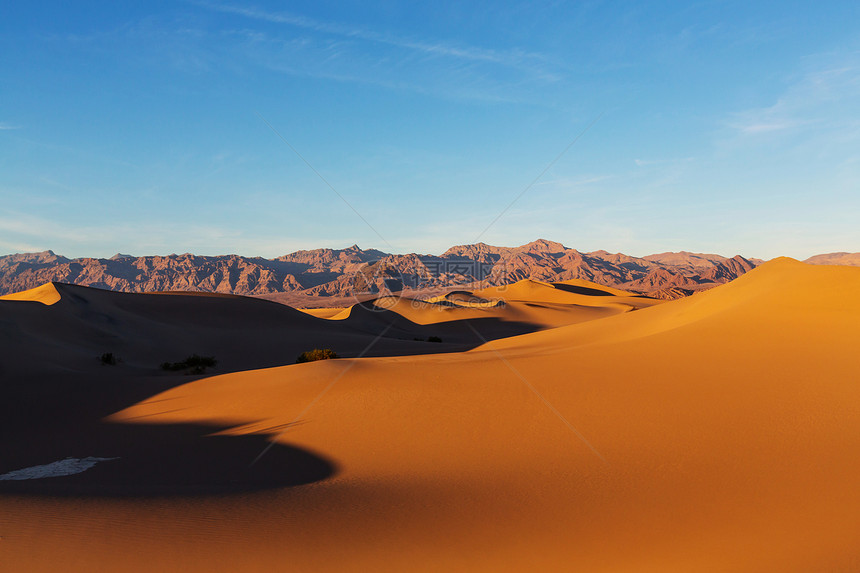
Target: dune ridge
46, 294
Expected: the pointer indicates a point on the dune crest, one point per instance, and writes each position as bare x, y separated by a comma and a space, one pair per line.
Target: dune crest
47, 294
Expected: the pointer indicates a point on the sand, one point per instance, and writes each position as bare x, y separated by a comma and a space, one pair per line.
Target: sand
713, 433
47, 294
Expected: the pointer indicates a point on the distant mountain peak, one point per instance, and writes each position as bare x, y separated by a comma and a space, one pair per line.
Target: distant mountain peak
543, 246
840, 258
120, 256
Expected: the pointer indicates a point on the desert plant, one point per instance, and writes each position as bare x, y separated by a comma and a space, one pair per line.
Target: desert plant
108, 359
316, 354
194, 364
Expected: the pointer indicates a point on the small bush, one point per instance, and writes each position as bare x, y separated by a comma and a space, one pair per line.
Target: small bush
316, 354
194, 364
434, 339
108, 358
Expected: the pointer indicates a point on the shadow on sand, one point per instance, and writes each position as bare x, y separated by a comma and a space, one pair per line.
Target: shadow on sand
176, 460
54, 421
582, 290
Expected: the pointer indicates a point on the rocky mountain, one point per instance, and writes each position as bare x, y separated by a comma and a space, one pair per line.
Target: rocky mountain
849, 259
350, 271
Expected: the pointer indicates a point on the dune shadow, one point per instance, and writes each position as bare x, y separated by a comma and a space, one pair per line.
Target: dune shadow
59, 419
142, 460
581, 290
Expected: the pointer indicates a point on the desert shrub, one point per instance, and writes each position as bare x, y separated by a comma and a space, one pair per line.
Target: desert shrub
108, 358
316, 354
194, 364
434, 339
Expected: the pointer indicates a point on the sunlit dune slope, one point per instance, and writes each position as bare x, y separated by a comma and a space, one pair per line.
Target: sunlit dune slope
323, 312
782, 292
715, 433
497, 309
46, 294
529, 289
567, 292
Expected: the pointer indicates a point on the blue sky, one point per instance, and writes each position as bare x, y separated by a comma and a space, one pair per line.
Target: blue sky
143, 128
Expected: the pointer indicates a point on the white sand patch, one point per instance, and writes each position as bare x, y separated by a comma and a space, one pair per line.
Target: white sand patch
66, 467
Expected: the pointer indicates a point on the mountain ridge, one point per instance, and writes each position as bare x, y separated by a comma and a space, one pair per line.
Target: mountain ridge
329, 272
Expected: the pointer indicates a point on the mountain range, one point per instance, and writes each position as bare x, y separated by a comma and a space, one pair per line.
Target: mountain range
345, 272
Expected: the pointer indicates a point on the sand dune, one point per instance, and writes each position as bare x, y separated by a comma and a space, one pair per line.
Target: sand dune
466, 317
713, 433
324, 312
531, 302
46, 294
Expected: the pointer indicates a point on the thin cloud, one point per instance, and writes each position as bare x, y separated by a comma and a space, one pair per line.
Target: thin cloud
43, 229
764, 127
513, 58
568, 182
8, 126
786, 114
815, 101
11, 247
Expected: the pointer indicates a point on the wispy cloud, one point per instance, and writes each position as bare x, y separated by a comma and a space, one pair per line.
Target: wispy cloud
7, 126
566, 182
10, 247
765, 127
782, 116
40, 228
819, 99
513, 57
355, 54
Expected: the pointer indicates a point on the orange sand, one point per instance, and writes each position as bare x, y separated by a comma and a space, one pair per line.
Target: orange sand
46, 294
323, 312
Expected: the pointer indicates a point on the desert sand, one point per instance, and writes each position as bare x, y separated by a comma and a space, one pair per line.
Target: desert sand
571, 427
